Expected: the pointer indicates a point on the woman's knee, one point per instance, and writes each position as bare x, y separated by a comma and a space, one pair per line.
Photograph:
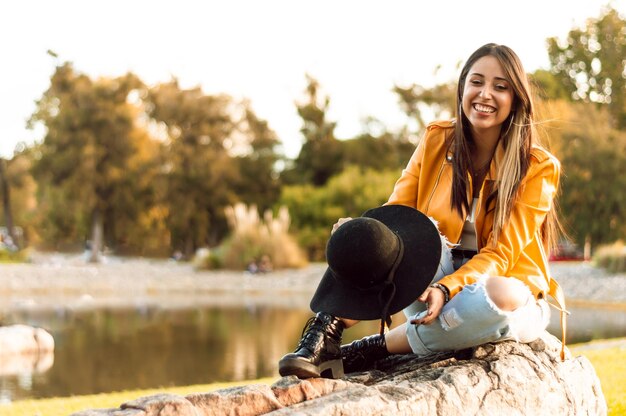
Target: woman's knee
348, 322
506, 293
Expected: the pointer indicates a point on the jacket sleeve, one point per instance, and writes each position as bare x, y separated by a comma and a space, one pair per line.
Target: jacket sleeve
405, 190
537, 192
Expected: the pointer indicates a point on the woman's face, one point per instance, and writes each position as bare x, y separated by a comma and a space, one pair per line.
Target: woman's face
487, 96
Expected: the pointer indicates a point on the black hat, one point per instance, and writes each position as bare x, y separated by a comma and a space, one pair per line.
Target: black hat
378, 264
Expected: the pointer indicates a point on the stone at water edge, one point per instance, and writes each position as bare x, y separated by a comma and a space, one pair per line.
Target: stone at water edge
25, 350
24, 339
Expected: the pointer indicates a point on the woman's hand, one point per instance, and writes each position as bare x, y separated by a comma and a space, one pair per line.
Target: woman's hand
434, 299
339, 222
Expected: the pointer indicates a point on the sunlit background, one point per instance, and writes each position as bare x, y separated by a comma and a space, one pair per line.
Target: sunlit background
178, 151
356, 49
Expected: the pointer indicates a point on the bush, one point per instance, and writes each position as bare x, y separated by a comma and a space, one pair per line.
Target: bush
8, 256
611, 257
254, 239
315, 209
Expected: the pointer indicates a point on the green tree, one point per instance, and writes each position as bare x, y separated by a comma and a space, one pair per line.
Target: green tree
547, 86
197, 170
5, 190
438, 102
593, 158
380, 153
590, 63
315, 209
321, 154
19, 207
85, 152
137, 217
258, 183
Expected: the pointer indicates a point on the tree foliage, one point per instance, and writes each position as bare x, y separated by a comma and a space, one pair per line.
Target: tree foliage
590, 63
547, 86
149, 170
315, 209
197, 171
593, 158
379, 153
436, 103
5, 193
20, 204
321, 154
258, 182
153, 169
85, 153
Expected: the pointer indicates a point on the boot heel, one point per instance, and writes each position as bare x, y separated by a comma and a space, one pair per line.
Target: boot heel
292, 365
333, 368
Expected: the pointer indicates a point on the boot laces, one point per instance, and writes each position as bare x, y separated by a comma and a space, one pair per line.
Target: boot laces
310, 337
353, 351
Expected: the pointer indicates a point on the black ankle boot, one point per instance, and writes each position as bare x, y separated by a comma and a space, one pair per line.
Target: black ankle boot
361, 354
318, 350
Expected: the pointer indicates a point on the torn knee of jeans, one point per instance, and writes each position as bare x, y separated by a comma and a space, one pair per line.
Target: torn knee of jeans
506, 293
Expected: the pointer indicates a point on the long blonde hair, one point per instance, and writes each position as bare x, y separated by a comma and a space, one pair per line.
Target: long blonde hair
518, 136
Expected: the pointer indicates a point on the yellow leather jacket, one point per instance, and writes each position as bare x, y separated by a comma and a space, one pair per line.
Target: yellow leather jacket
426, 184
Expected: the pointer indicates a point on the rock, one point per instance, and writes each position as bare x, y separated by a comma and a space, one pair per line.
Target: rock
162, 405
26, 363
255, 399
25, 350
493, 379
291, 390
112, 412
23, 339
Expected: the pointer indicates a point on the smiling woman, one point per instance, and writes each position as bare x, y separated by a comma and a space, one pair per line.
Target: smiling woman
489, 186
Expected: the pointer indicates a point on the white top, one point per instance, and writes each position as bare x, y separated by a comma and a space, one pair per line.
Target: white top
468, 236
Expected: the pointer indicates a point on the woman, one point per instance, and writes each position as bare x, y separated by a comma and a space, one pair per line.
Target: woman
490, 187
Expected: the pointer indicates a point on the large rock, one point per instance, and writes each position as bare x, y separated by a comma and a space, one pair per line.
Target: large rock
24, 339
493, 379
25, 349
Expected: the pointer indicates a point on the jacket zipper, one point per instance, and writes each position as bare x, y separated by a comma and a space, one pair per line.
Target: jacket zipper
432, 193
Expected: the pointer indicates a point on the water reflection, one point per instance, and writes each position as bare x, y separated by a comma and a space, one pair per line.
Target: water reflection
115, 349
586, 324
31, 363
107, 350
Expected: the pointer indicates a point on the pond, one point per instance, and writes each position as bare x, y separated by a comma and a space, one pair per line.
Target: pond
113, 349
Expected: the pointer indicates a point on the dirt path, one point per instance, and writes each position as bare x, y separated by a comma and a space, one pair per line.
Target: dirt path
64, 280
54, 280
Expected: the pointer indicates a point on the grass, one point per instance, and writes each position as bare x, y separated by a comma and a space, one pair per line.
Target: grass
609, 363
253, 238
7, 256
63, 406
610, 366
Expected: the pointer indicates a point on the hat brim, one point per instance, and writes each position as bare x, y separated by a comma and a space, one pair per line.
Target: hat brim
422, 253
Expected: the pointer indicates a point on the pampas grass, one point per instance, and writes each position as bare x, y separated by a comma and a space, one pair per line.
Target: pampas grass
254, 238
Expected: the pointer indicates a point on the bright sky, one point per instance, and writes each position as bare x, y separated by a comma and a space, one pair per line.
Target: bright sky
261, 49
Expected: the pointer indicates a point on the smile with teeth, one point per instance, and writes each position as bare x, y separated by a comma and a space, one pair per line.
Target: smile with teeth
484, 108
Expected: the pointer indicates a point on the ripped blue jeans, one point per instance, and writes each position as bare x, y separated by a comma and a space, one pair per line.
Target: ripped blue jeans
471, 318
